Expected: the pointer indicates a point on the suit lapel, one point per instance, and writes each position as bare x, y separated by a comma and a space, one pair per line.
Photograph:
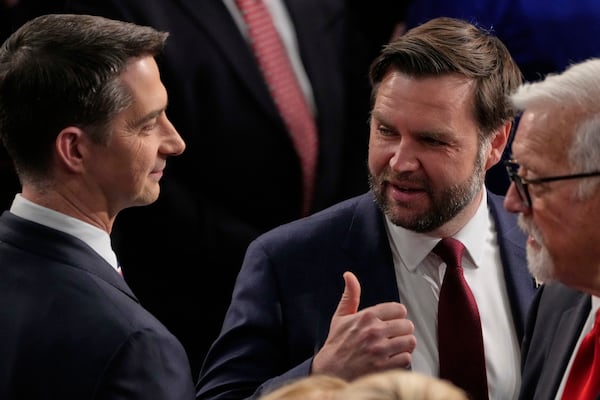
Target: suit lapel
215, 20
520, 285
566, 334
319, 60
57, 245
568, 331
368, 246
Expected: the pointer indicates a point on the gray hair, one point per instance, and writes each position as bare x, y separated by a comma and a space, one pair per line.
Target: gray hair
578, 87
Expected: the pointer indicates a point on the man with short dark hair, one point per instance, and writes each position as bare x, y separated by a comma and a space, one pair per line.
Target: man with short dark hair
82, 115
439, 120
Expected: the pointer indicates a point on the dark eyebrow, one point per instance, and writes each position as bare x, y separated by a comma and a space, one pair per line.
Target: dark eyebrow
438, 135
374, 115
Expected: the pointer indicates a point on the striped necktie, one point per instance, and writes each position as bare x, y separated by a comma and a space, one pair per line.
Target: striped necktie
276, 68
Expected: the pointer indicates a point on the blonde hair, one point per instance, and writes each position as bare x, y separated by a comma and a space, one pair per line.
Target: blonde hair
399, 384
313, 387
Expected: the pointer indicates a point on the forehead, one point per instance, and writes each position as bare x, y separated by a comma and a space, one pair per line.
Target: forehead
142, 77
148, 93
445, 98
449, 88
544, 134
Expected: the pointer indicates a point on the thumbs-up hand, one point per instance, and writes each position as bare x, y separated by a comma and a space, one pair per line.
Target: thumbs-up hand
350, 301
359, 342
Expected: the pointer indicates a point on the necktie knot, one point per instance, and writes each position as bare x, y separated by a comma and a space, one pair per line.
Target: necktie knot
451, 251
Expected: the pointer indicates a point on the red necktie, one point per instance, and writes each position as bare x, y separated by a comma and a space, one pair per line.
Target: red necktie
460, 341
285, 90
583, 382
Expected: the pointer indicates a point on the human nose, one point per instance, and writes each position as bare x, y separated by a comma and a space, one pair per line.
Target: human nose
173, 144
513, 202
404, 157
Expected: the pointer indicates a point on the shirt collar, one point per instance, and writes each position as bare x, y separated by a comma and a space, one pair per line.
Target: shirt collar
595, 304
94, 237
413, 247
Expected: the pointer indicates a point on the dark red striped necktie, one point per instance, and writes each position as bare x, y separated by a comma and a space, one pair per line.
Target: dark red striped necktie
277, 70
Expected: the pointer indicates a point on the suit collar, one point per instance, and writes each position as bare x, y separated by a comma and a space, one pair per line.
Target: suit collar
568, 330
520, 285
59, 246
413, 247
215, 19
319, 61
96, 238
368, 245
369, 248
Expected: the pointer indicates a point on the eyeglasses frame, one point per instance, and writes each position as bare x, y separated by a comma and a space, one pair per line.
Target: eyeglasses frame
522, 184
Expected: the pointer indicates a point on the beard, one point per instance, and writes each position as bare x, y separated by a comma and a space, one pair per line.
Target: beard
539, 262
445, 204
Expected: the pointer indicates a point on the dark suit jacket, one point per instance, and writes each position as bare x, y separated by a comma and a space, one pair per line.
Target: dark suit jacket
72, 329
239, 175
291, 282
555, 321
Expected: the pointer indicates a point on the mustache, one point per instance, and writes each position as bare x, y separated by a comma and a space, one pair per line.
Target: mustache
530, 229
404, 177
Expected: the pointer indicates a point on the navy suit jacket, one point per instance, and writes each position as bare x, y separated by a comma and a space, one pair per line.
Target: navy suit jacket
555, 321
72, 329
291, 282
239, 175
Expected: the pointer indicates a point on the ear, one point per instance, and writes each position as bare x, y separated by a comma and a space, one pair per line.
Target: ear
497, 145
70, 148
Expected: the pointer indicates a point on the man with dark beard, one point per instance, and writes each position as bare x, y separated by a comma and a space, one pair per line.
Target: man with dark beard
556, 193
439, 120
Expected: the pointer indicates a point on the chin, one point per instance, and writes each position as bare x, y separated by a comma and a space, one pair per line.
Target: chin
540, 264
147, 198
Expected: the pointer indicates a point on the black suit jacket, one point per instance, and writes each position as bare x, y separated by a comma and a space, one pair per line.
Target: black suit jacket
239, 175
555, 321
72, 329
291, 282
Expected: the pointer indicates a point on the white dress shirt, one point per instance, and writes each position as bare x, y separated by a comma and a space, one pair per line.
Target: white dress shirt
419, 275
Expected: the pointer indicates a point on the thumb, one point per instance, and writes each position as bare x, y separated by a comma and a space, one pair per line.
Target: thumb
351, 297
